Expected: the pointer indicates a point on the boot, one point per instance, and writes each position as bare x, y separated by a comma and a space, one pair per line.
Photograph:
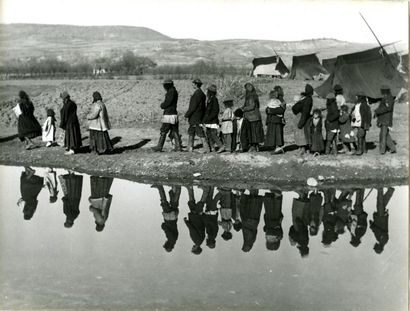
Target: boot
191, 143
177, 141
161, 142
205, 145
344, 149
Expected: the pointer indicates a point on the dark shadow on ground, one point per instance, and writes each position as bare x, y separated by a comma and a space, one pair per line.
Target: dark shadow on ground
8, 138
131, 147
116, 140
289, 148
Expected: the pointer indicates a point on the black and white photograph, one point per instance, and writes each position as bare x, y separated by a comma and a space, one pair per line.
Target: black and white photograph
204, 155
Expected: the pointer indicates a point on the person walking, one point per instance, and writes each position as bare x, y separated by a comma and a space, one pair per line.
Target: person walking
253, 115
69, 123
195, 114
211, 121
27, 124
275, 122
302, 110
361, 117
99, 125
384, 115
331, 124
170, 117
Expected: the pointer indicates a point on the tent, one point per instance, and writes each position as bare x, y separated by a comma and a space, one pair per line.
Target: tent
269, 66
305, 67
364, 71
329, 64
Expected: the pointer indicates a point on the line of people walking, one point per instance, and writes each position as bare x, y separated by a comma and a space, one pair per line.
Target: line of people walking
240, 130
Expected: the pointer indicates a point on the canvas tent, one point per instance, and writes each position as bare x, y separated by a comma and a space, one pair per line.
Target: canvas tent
329, 64
269, 66
305, 67
364, 71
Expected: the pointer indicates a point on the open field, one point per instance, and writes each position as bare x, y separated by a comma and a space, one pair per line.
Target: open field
134, 111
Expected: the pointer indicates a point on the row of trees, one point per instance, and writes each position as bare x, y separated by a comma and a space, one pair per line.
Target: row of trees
127, 64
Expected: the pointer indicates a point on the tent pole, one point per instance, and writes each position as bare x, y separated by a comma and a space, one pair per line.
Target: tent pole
381, 46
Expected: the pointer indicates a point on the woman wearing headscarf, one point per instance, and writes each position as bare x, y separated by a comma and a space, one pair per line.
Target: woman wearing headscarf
27, 125
69, 123
253, 115
99, 125
302, 109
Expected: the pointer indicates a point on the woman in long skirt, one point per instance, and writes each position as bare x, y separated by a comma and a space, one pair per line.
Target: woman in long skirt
253, 115
302, 110
27, 125
100, 200
100, 142
275, 122
69, 123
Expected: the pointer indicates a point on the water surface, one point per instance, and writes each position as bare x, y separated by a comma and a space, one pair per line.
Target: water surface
112, 243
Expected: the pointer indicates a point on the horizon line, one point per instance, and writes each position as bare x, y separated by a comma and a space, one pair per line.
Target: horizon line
205, 40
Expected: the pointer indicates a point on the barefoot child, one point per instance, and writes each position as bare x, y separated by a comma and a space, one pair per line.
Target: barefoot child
318, 145
49, 128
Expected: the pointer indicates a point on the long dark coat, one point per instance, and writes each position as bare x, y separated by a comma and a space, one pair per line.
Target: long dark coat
30, 189
332, 117
196, 227
251, 208
211, 111
245, 134
384, 112
69, 123
169, 105
27, 124
196, 108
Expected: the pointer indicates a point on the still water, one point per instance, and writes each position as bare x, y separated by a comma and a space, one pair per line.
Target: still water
70, 240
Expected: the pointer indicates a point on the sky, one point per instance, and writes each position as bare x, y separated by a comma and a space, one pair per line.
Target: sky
226, 19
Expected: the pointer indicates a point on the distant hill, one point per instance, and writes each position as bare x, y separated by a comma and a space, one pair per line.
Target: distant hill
74, 43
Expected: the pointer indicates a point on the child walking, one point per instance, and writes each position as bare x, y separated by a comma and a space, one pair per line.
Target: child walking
227, 124
316, 122
346, 132
49, 128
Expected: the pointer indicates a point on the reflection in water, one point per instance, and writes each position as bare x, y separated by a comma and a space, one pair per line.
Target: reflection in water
237, 209
262, 247
380, 223
30, 187
72, 185
100, 199
170, 213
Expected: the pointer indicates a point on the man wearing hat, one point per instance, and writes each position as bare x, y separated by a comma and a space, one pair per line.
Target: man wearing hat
331, 124
170, 117
195, 114
361, 121
384, 114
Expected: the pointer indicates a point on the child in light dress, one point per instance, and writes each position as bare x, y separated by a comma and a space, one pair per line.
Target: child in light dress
227, 124
49, 128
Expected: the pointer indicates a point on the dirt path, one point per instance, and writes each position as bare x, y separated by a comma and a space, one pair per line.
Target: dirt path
134, 160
